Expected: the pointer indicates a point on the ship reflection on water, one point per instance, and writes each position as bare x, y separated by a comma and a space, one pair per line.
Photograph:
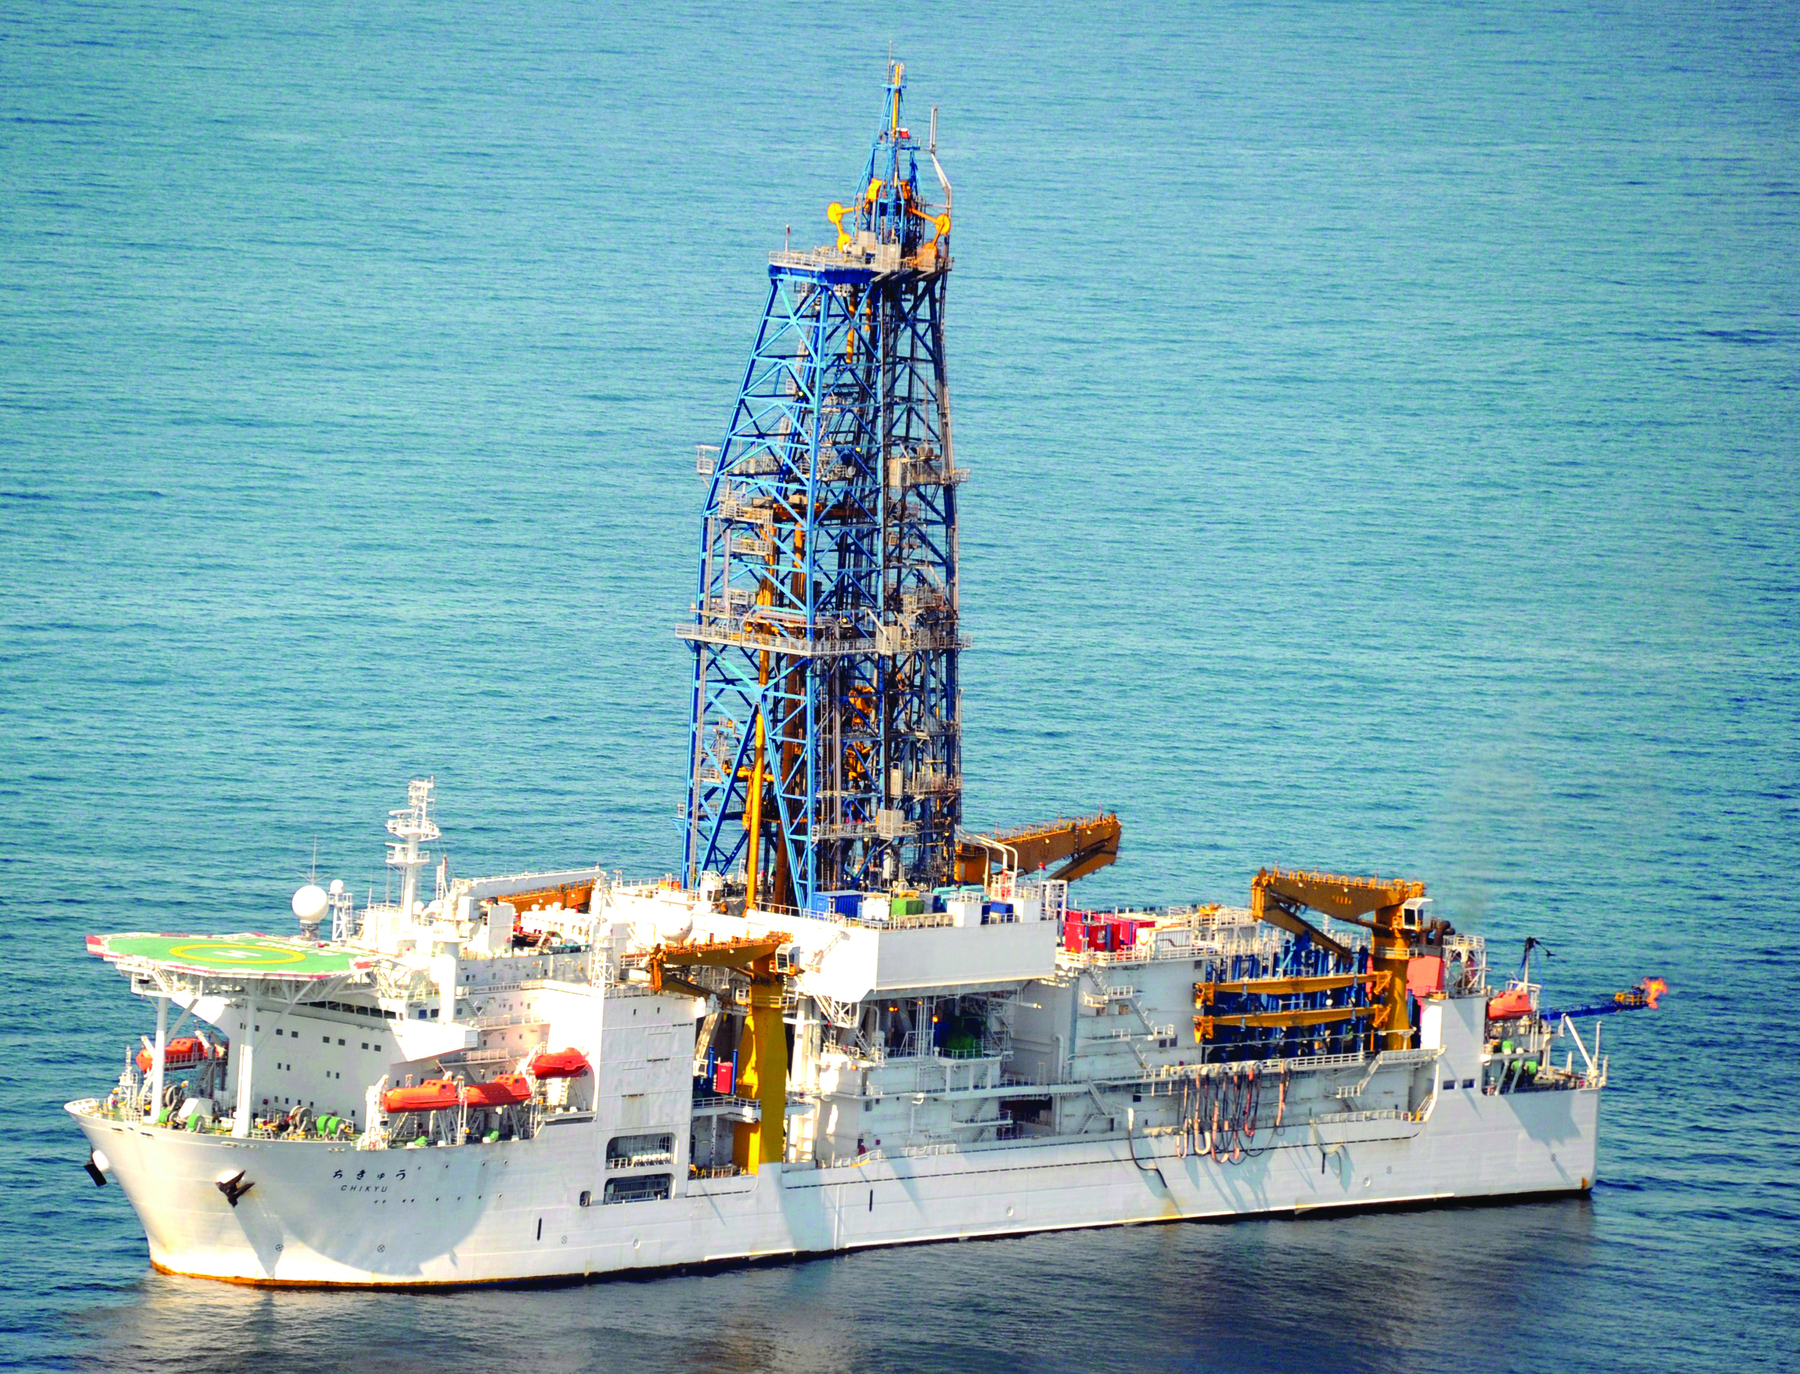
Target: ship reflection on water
1389, 1291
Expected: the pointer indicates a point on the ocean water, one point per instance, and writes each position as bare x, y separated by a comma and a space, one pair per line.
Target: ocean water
1383, 430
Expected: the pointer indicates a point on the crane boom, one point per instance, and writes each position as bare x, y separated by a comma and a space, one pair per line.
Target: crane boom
1333, 894
1081, 846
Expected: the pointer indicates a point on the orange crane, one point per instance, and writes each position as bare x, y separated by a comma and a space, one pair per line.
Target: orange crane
1379, 905
1081, 846
763, 1049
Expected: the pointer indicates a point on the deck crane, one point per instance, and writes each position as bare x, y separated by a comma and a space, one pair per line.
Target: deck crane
764, 1045
1080, 846
1390, 908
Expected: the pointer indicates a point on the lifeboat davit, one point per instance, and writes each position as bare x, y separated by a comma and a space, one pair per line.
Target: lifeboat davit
433, 1095
1513, 1003
505, 1090
559, 1064
180, 1053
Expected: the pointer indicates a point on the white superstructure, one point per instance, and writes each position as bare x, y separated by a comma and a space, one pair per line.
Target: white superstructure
956, 1064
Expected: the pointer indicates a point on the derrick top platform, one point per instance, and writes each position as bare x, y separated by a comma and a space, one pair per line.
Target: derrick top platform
245, 957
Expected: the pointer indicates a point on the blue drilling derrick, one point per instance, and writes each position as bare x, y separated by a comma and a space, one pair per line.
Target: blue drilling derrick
826, 747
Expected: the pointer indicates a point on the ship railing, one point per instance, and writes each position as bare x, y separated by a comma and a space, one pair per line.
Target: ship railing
1387, 1057
816, 257
466, 1059
513, 985
504, 1019
929, 1151
1310, 1063
642, 1161
1152, 952
1373, 1114
714, 1171
919, 921
715, 1102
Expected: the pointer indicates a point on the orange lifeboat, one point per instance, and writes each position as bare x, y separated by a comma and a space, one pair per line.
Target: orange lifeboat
434, 1094
506, 1090
180, 1053
559, 1064
1512, 1003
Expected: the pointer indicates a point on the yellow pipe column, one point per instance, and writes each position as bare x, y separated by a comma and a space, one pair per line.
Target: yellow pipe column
765, 1072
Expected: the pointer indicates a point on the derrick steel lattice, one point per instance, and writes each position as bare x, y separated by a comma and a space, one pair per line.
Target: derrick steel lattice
826, 746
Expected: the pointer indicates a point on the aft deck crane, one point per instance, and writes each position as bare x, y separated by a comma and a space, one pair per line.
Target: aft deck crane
1387, 907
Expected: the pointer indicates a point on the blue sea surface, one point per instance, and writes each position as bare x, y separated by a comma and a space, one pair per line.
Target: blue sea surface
1383, 425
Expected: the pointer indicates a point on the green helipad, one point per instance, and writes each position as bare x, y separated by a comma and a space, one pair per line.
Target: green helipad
264, 956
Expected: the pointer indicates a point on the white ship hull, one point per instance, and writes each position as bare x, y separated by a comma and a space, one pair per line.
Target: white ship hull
322, 1214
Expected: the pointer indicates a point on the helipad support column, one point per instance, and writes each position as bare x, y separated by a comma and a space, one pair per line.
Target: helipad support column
161, 1053
243, 1052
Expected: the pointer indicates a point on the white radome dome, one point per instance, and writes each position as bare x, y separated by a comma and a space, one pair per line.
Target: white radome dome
337, 887
310, 902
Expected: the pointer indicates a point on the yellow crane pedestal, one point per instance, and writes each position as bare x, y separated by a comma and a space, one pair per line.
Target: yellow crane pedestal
763, 1056
755, 1143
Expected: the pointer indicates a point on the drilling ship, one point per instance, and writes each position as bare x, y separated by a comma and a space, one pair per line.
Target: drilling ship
848, 1021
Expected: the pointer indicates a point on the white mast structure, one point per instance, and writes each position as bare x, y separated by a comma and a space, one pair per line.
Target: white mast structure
411, 827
